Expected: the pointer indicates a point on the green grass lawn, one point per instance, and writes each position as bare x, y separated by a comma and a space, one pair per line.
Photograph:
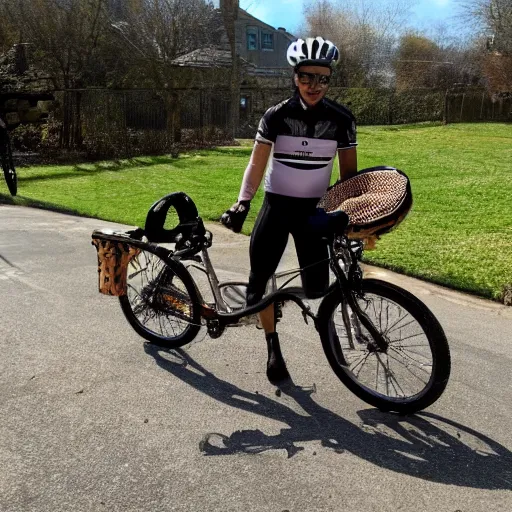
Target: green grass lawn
459, 232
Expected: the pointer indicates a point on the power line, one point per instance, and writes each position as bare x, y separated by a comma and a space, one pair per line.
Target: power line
425, 61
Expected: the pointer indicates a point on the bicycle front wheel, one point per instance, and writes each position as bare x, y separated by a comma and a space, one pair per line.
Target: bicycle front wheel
160, 302
10, 175
406, 374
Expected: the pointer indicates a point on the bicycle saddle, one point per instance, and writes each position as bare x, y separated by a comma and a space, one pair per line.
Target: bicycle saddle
329, 223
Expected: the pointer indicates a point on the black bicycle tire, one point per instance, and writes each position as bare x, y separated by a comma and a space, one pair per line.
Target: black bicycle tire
190, 331
428, 322
8, 167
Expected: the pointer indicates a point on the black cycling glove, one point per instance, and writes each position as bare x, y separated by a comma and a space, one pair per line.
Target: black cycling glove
234, 218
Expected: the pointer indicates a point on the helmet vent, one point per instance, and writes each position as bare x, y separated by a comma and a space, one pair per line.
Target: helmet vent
314, 49
323, 51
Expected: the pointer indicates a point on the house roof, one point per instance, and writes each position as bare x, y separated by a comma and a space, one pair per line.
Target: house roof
207, 58
219, 58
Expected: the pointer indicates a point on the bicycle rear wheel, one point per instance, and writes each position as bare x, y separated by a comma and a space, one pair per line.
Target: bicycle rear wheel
410, 372
10, 175
161, 301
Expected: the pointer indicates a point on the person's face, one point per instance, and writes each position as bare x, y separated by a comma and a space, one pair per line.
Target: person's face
313, 82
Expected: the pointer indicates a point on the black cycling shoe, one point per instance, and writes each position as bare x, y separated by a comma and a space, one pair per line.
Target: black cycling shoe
277, 372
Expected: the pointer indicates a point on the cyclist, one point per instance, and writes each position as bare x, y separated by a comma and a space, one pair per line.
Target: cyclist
298, 139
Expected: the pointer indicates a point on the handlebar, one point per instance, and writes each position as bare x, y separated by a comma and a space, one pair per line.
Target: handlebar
198, 240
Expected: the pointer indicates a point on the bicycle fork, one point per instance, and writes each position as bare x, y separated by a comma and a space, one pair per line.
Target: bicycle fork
378, 343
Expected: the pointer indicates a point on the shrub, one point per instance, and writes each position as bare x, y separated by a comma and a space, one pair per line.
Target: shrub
27, 137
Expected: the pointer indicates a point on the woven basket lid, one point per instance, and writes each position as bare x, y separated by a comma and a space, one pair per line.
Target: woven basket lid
375, 200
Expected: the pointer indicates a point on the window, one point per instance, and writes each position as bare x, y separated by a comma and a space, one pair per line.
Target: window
267, 41
252, 38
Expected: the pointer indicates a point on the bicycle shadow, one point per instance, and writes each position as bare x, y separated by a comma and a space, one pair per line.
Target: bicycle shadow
425, 445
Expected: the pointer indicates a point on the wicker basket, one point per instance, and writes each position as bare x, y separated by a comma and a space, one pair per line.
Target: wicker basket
376, 200
113, 259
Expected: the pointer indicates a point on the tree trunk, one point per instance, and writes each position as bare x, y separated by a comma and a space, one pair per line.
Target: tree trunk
172, 107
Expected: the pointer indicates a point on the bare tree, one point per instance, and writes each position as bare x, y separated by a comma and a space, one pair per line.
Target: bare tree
153, 33
492, 17
493, 21
64, 35
365, 32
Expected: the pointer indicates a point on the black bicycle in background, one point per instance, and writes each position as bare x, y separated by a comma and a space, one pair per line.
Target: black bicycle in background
6, 160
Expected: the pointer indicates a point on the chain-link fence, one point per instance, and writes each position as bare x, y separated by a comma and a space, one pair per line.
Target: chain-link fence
110, 123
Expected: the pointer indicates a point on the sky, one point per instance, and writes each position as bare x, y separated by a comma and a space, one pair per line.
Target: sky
288, 13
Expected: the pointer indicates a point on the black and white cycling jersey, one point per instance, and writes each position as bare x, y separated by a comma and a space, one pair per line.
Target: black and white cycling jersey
304, 143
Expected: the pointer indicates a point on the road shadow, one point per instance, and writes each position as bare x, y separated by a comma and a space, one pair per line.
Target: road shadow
91, 168
33, 203
425, 445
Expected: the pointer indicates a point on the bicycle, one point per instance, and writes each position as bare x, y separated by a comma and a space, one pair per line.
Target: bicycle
382, 342
7, 163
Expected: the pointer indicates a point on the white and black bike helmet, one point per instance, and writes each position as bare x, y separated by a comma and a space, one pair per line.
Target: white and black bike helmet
314, 51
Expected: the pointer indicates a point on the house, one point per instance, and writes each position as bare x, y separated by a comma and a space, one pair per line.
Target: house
260, 47
261, 44
265, 72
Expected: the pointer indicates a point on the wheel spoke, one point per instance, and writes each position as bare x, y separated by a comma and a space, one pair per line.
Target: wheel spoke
363, 361
404, 371
391, 375
387, 382
136, 273
408, 337
408, 368
157, 297
395, 327
404, 354
387, 318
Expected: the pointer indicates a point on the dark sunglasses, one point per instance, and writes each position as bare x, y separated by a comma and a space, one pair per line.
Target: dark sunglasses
311, 78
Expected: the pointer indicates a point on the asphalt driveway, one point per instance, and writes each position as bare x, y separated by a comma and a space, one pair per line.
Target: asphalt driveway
93, 419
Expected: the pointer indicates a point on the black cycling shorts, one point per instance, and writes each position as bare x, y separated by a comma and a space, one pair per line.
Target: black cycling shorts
279, 217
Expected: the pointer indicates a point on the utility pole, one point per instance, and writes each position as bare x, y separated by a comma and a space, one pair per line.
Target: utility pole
229, 10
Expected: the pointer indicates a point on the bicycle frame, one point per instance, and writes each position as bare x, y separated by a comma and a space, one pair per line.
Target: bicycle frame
221, 315
206, 266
